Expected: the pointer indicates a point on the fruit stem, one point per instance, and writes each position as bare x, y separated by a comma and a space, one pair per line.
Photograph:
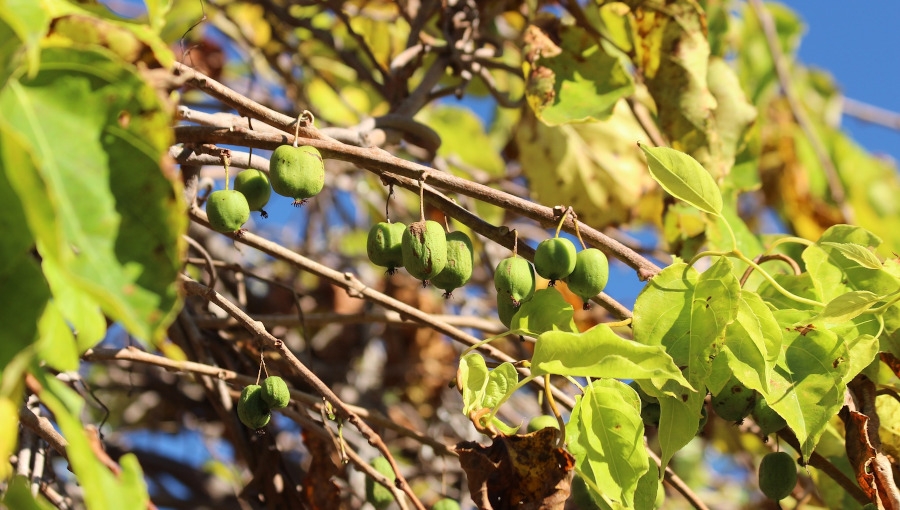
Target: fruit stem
577, 232
297, 131
387, 203
515, 243
562, 220
422, 197
446, 224
226, 160
548, 392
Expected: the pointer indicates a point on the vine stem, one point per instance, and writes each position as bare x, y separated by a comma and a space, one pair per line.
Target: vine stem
562, 220
561, 436
198, 289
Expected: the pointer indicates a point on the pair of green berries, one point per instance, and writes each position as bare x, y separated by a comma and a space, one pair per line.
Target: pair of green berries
256, 403
294, 172
736, 401
425, 250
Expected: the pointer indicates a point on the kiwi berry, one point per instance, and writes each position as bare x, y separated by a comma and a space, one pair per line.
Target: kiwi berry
255, 187
376, 494
424, 248
735, 401
460, 260
514, 280
275, 392
227, 210
777, 475
252, 409
554, 259
297, 172
589, 276
384, 245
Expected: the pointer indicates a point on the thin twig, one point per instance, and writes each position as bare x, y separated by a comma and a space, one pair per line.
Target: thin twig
870, 113
765, 258
195, 288
784, 80
43, 428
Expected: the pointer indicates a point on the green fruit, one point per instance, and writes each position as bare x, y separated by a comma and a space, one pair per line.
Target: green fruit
650, 414
297, 172
869, 506
384, 245
424, 248
227, 210
445, 504
255, 186
514, 280
542, 422
275, 392
734, 402
589, 276
376, 494
581, 495
777, 475
252, 409
554, 259
460, 261
768, 420
506, 309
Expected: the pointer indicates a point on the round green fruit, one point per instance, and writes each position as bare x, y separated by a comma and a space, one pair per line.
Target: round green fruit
252, 409
445, 504
514, 280
227, 210
460, 261
554, 259
589, 276
255, 187
506, 309
734, 402
542, 422
424, 248
768, 420
384, 245
275, 392
376, 494
777, 475
297, 172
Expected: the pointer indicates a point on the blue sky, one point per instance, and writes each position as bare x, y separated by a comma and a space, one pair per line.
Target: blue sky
857, 42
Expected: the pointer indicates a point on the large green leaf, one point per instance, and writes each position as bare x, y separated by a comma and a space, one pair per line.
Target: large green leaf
23, 290
99, 204
687, 313
606, 435
595, 167
28, 20
807, 385
547, 310
752, 343
731, 118
570, 76
684, 178
599, 352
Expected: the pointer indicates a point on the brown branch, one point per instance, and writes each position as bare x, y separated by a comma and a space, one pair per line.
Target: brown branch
784, 80
384, 164
677, 483
43, 428
192, 287
872, 114
766, 258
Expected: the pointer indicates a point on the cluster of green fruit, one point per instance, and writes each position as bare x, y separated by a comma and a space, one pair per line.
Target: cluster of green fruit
735, 402
380, 497
256, 403
294, 172
426, 252
585, 272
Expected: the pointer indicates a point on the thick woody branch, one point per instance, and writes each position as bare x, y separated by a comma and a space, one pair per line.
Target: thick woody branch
384, 164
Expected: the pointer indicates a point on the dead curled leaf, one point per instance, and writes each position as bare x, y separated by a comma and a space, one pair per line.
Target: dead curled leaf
525, 472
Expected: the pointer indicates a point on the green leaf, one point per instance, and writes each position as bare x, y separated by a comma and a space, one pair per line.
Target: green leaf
606, 435
800, 285
23, 289
547, 310
485, 389
105, 213
862, 349
731, 118
18, 496
464, 142
848, 306
575, 80
857, 254
29, 20
688, 314
684, 178
752, 343
807, 385
156, 11
599, 352
56, 345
